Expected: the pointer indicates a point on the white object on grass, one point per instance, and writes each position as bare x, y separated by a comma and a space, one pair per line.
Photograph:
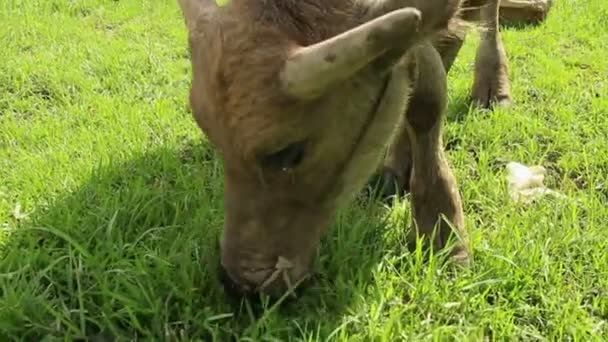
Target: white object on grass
526, 182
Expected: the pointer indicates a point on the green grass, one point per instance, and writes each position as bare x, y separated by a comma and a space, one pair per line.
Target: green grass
110, 201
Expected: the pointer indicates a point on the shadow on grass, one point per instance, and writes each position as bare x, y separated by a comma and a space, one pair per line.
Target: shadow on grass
133, 253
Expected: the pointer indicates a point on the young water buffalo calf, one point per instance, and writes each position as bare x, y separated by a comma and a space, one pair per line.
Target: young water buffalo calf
302, 98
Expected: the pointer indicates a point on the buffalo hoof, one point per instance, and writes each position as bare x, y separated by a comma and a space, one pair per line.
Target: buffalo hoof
385, 186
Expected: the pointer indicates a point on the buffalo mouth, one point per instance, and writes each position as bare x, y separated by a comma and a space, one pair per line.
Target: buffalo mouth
277, 282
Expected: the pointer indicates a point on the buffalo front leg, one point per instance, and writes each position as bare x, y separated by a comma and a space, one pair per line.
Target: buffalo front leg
491, 84
435, 199
393, 178
450, 41
449, 44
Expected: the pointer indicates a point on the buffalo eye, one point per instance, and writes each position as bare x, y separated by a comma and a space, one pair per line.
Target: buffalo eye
286, 158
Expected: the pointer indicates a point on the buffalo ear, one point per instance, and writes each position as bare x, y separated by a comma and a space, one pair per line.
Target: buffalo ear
192, 9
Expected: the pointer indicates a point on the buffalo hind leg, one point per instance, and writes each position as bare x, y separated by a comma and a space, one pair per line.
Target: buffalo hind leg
416, 156
491, 84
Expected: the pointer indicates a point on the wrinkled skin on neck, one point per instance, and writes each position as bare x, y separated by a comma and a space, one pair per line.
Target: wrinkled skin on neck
291, 161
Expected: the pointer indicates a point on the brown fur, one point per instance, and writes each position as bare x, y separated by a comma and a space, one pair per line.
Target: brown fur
290, 163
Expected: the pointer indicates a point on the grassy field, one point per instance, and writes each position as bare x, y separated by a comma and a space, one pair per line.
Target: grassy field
110, 201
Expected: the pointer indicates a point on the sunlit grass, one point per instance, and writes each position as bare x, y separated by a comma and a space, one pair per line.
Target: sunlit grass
110, 199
